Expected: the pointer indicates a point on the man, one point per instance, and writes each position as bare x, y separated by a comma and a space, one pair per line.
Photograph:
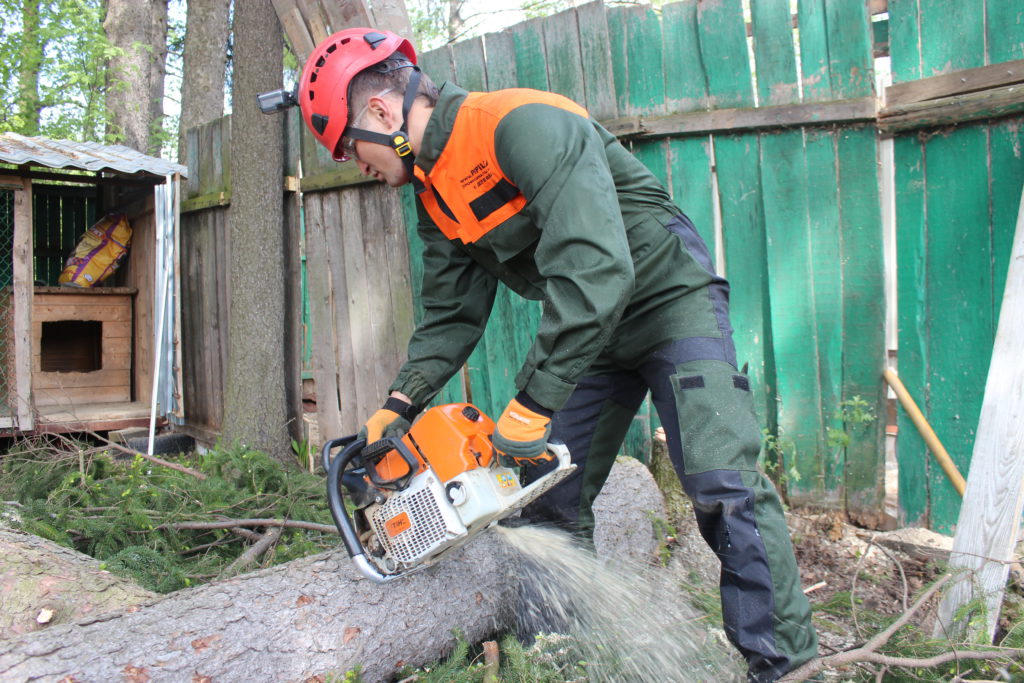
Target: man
523, 187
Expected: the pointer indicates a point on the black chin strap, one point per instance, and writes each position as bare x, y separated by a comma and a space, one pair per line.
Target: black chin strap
399, 140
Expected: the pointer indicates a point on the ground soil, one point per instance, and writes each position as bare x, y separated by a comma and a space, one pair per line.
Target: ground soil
855, 578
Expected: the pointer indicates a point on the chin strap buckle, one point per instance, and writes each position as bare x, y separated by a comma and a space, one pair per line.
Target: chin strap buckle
400, 142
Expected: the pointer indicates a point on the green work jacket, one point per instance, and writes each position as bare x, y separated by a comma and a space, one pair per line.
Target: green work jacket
590, 243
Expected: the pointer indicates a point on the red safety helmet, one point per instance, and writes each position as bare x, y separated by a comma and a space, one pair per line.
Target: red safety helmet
323, 89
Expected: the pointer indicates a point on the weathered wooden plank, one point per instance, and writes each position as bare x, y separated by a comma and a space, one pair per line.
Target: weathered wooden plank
723, 46
103, 378
48, 311
744, 246
294, 27
143, 251
686, 86
850, 39
952, 36
392, 15
826, 281
325, 363
989, 521
333, 177
21, 263
345, 14
397, 253
362, 396
987, 104
315, 22
595, 52
653, 155
209, 180
470, 68
859, 110
191, 188
206, 201
960, 300
501, 60
815, 74
342, 362
773, 53
1004, 31
70, 397
383, 364
562, 48
956, 83
863, 323
635, 34
1006, 177
904, 39
531, 62
793, 319
438, 63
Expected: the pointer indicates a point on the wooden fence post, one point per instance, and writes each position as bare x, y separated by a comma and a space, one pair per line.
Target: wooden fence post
990, 516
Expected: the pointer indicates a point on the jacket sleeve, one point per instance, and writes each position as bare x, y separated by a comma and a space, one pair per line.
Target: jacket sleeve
557, 160
457, 295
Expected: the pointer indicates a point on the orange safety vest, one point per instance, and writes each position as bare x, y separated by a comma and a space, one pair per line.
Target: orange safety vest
466, 194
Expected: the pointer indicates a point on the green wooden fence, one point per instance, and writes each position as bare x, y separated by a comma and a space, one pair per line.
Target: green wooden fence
766, 129
957, 194
800, 228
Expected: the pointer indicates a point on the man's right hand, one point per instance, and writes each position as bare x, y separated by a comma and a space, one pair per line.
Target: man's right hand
393, 419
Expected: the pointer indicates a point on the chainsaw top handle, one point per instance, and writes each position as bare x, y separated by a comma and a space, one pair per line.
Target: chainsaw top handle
372, 455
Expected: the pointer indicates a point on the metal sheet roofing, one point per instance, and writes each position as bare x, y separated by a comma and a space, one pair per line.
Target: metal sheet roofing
88, 156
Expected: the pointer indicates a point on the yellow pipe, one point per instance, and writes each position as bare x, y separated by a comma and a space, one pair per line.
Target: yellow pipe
930, 439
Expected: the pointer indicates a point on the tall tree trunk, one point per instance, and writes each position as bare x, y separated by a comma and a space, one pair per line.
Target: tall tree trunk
255, 406
28, 105
202, 85
138, 28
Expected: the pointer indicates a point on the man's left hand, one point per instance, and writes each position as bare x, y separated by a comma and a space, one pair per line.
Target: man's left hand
521, 434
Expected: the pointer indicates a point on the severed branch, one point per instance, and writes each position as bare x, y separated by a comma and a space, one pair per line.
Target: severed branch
229, 523
868, 651
254, 552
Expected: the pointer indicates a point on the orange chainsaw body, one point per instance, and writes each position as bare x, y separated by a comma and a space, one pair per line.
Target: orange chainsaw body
452, 439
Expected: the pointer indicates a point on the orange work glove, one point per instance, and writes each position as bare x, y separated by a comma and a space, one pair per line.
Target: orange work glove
394, 419
521, 434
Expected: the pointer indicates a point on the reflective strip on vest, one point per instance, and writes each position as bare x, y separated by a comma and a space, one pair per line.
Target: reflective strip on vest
466, 194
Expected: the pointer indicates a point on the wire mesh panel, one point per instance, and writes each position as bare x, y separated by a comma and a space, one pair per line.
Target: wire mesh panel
6, 300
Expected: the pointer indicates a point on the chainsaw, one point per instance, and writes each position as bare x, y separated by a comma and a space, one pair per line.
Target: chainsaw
420, 496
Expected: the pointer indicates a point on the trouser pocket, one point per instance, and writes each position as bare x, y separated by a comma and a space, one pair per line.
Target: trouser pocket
717, 425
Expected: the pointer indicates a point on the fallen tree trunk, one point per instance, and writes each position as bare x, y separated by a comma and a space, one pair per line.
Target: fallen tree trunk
286, 623
317, 615
43, 584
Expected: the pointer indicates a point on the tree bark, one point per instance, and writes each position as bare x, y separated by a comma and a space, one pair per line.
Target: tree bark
205, 59
43, 584
256, 405
317, 615
28, 71
135, 79
286, 623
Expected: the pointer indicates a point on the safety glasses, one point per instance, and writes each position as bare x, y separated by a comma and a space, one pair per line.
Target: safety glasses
347, 145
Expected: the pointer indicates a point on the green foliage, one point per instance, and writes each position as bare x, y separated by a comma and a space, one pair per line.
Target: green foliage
553, 658
777, 450
850, 413
118, 510
53, 75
